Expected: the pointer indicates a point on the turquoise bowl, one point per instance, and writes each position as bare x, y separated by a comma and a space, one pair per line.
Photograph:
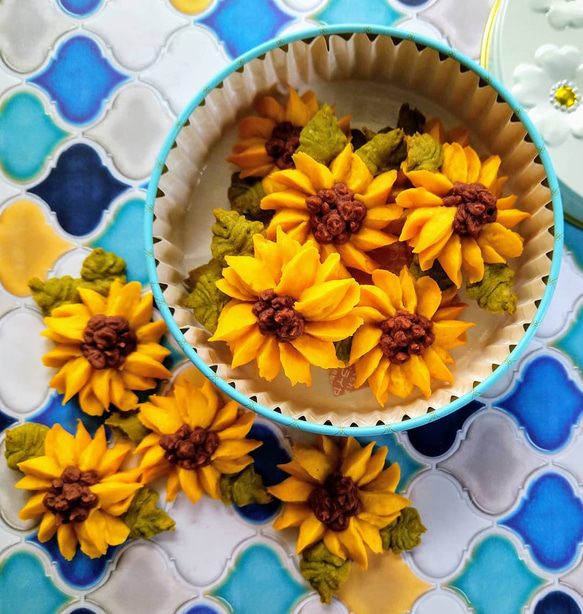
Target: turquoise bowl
372, 427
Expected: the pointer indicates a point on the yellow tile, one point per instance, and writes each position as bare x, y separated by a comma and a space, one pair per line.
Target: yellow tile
29, 246
388, 581
191, 7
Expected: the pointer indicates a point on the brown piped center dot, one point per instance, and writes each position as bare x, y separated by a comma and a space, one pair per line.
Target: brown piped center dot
335, 215
190, 448
335, 501
285, 139
276, 316
476, 206
69, 497
405, 334
107, 340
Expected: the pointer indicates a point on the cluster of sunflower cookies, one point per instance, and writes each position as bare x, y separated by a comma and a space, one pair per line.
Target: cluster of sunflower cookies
347, 247
92, 492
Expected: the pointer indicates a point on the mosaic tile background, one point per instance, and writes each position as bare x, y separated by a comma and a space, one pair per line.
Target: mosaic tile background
88, 89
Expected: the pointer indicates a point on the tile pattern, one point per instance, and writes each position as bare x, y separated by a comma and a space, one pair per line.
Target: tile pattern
84, 108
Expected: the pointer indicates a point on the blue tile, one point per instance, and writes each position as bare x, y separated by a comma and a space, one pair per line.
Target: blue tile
123, 236
255, 21
79, 79
571, 343
81, 571
557, 602
495, 579
201, 609
25, 587
436, 438
5, 421
68, 415
574, 242
546, 402
83, 611
79, 189
371, 12
80, 8
28, 136
259, 582
266, 458
549, 520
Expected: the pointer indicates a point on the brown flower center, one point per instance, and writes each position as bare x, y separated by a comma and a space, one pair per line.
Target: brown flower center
190, 448
405, 334
285, 139
335, 501
335, 214
107, 341
69, 497
276, 316
476, 206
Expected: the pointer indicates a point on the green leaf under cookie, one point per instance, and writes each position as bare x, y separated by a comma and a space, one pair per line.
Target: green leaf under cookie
424, 153
343, 348
205, 299
100, 269
245, 197
233, 235
385, 151
129, 424
143, 517
244, 488
436, 273
494, 293
24, 442
410, 120
321, 138
404, 533
325, 571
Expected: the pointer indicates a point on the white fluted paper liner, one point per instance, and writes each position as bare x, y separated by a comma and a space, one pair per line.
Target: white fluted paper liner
369, 78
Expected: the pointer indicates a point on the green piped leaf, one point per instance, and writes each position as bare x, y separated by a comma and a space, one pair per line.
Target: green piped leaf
325, 571
128, 424
494, 293
385, 151
25, 442
404, 533
143, 517
321, 138
233, 235
245, 197
244, 488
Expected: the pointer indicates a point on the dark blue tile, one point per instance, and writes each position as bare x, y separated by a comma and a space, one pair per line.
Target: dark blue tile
549, 520
436, 438
201, 609
80, 8
557, 602
79, 189
79, 80
546, 402
5, 421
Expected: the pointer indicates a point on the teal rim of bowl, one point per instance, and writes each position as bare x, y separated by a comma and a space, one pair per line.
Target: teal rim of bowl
302, 424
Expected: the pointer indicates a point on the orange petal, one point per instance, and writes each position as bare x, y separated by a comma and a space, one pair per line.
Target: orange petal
505, 242
414, 198
436, 183
292, 490
489, 171
451, 259
295, 366
428, 296
365, 339
472, 260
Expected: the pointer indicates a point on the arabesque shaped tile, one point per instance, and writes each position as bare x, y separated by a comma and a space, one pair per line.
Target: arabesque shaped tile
7, 189
419, 26
437, 438
451, 18
191, 7
28, 246
80, 8
260, 581
80, 572
6, 303
571, 458
571, 343
557, 602
7, 539
28, 136
451, 523
192, 58
25, 584
71, 263
203, 607
533, 402
5, 421
143, 581
304, 6
574, 242
79, 189
551, 507
440, 601
133, 130
136, 30
573, 579
255, 23
496, 579
389, 581
493, 462
560, 313
371, 12
209, 527
11, 499
7, 80
120, 236
23, 21
24, 381
79, 79
313, 605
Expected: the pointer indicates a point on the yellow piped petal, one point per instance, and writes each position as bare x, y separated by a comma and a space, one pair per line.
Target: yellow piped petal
295, 366
489, 171
436, 183
319, 175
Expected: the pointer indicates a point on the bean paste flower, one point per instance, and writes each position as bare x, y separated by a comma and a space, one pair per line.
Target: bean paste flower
107, 347
268, 142
406, 337
80, 492
195, 439
457, 216
287, 308
343, 209
340, 494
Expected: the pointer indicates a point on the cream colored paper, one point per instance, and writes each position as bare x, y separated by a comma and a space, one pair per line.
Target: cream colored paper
369, 78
